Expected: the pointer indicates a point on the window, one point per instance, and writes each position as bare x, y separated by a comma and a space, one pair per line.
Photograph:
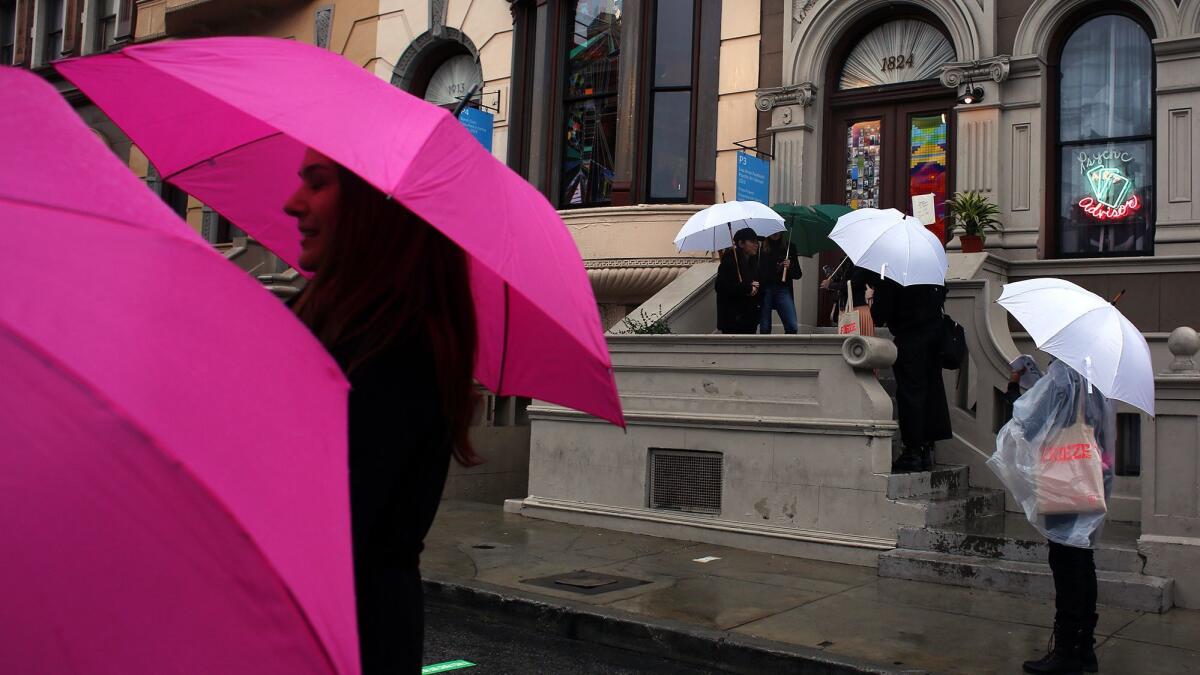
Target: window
671, 101
1105, 140
590, 102
53, 20
8, 31
106, 24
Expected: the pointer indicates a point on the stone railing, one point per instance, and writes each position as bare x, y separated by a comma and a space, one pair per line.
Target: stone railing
803, 440
1170, 540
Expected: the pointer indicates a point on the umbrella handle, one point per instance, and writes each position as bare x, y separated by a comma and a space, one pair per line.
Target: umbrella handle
786, 255
736, 263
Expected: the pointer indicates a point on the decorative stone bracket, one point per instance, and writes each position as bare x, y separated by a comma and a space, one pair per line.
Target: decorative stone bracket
995, 68
802, 94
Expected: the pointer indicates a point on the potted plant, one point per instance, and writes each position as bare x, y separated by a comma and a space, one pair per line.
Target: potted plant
975, 215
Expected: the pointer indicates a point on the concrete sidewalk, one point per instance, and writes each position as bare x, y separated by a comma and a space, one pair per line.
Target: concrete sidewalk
842, 611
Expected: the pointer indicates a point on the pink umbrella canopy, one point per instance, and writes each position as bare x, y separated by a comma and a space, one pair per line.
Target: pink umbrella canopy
228, 119
174, 495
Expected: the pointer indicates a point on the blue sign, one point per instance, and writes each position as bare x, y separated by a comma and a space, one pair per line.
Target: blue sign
479, 123
753, 178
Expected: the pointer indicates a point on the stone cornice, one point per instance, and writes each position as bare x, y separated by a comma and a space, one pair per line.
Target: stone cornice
956, 73
625, 263
802, 94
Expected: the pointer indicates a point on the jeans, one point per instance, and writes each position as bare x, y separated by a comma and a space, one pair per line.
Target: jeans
778, 298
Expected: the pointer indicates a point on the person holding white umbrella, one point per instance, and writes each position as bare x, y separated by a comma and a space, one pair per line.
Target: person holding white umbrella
911, 263
738, 286
1056, 455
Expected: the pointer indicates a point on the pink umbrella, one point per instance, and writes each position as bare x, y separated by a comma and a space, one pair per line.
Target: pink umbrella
174, 496
227, 120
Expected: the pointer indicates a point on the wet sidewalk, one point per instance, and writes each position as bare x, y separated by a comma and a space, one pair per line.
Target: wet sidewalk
840, 610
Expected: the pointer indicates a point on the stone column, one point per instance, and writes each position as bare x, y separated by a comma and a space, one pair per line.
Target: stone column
977, 131
1170, 540
794, 146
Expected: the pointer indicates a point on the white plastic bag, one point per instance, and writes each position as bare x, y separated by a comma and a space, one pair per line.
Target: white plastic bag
1027, 445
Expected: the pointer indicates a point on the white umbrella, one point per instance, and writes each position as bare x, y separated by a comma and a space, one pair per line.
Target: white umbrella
712, 228
1087, 333
899, 247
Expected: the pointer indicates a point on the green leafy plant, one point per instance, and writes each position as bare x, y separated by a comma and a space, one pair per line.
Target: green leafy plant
973, 214
645, 324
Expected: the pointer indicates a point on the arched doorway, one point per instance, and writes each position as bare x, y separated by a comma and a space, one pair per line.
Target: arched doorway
441, 67
889, 133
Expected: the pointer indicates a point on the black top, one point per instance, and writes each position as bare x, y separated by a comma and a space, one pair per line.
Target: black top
906, 309
771, 266
398, 453
399, 458
859, 279
737, 310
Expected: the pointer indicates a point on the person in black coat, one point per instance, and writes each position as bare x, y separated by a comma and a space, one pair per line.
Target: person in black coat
391, 300
914, 316
739, 300
778, 268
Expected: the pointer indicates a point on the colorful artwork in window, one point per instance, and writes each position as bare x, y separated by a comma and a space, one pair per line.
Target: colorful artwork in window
928, 152
862, 164
590, 101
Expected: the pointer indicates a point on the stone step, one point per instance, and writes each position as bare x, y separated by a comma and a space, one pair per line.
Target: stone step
943, 481
1010, 537
973, 503
1117, 589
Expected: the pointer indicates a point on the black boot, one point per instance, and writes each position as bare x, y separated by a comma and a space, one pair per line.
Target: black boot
907, 462
1063, 653
1087, 646
927, 460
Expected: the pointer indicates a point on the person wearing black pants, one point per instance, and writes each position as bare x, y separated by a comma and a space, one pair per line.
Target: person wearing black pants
914, 316
1072, 646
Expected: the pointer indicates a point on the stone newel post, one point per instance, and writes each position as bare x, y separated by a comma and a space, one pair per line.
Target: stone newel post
1170, 538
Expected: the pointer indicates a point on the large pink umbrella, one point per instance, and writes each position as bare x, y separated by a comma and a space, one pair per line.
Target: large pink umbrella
227, 120
173, 495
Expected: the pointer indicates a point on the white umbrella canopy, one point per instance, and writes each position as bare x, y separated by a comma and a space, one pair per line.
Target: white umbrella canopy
712, 229
1087, 333
897, 246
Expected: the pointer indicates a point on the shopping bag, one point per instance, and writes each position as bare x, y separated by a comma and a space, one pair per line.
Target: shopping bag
1070, 476
848, 319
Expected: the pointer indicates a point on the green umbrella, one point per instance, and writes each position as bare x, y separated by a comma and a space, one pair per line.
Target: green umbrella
809, 226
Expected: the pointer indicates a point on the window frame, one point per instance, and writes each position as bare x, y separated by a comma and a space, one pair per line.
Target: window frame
645, 123
44, 32
563, 102
1050, 246
99, 20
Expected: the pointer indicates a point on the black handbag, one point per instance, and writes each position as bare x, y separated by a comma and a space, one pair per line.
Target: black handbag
953, 344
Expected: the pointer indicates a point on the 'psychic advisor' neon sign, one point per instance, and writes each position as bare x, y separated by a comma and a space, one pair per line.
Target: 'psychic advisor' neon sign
1112, 195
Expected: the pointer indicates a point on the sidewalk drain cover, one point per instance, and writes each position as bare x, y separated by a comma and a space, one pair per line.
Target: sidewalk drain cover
586, 583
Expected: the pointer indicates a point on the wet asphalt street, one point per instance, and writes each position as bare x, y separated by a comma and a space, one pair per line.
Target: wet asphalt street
497, 648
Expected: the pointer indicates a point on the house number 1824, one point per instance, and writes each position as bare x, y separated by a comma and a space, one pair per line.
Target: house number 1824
897, 62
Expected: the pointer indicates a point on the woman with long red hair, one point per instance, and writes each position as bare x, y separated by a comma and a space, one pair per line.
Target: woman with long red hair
390, 298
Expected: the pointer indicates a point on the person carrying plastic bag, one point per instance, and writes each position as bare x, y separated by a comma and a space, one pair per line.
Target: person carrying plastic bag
1056, 457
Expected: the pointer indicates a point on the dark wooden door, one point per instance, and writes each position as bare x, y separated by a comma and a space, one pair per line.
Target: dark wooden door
878, 155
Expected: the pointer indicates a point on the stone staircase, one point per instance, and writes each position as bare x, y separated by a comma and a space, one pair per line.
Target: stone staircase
970, 541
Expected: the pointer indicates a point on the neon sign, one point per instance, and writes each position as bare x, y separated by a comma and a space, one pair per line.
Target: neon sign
1112, 195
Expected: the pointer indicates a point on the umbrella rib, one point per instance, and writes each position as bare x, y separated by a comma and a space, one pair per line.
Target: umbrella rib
217, 156
116, 221
104, 401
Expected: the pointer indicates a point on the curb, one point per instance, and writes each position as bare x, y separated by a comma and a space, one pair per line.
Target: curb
663, 638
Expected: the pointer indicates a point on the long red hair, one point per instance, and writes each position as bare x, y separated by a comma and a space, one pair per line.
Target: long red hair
387, 277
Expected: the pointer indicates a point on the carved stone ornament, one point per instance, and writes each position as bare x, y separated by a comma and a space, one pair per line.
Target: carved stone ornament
437, 16
800, 9
956, 73
802, 94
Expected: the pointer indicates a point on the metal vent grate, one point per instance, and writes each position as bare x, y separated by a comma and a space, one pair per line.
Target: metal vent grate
682, 480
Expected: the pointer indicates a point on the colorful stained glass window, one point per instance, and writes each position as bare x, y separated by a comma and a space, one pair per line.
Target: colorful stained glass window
862, 164
927, 164
590, 103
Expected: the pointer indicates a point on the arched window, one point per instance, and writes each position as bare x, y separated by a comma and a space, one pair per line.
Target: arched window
1105, 140
590, 102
